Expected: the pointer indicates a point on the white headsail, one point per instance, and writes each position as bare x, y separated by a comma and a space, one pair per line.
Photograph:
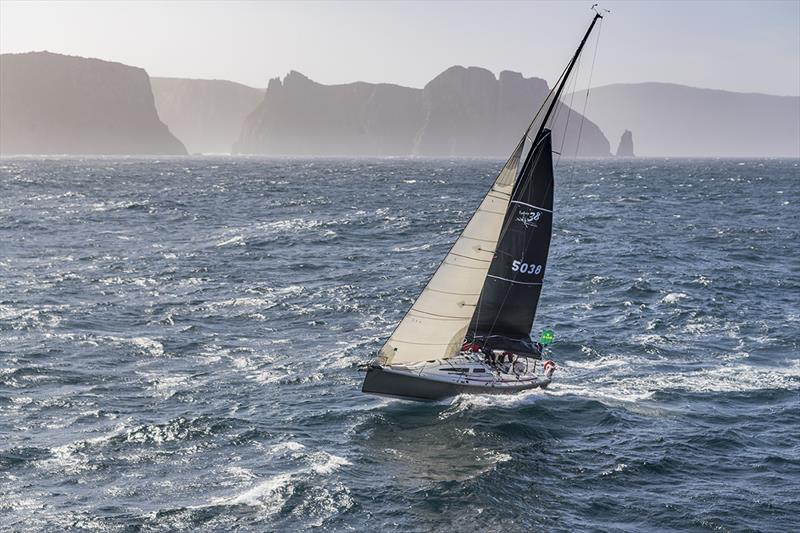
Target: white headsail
435, 326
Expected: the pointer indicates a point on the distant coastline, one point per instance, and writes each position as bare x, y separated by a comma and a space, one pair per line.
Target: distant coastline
58, 104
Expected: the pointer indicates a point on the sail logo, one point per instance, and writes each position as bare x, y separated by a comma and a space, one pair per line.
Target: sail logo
529, 219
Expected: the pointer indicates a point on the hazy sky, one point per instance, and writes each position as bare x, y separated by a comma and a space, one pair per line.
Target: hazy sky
737, 45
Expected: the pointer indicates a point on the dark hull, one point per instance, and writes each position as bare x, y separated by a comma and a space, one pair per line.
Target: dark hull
409, 387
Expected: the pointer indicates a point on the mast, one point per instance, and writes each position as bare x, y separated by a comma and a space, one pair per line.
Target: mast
566, 74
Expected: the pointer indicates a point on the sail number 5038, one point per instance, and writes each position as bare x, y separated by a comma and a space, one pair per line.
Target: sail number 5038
526, 268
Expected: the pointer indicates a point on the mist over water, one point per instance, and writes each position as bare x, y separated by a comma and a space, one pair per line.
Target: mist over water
179, 341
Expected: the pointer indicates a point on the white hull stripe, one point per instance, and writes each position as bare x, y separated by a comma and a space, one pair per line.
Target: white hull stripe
514, 281
531, 206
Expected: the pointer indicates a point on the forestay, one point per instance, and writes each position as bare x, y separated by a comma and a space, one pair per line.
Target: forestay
435, 326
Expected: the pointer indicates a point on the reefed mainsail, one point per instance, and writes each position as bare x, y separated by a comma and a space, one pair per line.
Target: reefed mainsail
436, 324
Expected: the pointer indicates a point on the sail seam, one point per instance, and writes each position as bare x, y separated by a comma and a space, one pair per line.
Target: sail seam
515, 281
462, 266
473, 258
505, 196
442, 317
450, 292
531, 206
476, 239
421, 343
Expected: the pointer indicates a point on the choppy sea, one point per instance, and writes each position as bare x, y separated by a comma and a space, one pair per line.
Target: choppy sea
180, 337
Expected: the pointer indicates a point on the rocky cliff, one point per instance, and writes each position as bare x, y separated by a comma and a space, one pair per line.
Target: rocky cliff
461, 112
57, 104
299, 116
207, 115
676, 120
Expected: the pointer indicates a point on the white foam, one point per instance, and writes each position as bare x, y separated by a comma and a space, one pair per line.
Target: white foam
237, 240
411, 248
615, 385
11, 503
241, 473
269, 494
148, 345
702, 280
674, 297
167, 386
326, 463
465, 402
288, 446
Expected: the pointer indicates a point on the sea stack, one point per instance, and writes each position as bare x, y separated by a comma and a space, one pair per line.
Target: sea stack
58, 104
625, 148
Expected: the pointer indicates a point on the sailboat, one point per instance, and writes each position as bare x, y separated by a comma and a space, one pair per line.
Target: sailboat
469, 331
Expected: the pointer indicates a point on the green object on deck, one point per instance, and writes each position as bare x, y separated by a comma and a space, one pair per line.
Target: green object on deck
546, 336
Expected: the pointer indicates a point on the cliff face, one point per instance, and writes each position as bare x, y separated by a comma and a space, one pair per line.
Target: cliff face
207, 115
57, 104
676, 120
625, 148
469, 112
463, 112
300, 116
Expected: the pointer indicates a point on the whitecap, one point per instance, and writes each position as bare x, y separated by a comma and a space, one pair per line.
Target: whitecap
674, 297
238, 240
411, 248
145, 344
326, 463
288, 446
702, 280
269, 494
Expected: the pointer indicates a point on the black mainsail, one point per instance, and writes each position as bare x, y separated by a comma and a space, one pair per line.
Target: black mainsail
507, 305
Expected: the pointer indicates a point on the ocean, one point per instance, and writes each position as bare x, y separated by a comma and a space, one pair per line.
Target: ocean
180, 341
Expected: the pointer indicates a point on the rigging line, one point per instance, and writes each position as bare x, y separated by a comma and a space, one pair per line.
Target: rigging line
569, 68
544, 103
526, 136
559, 108
569, 112
583, 112
588, 87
